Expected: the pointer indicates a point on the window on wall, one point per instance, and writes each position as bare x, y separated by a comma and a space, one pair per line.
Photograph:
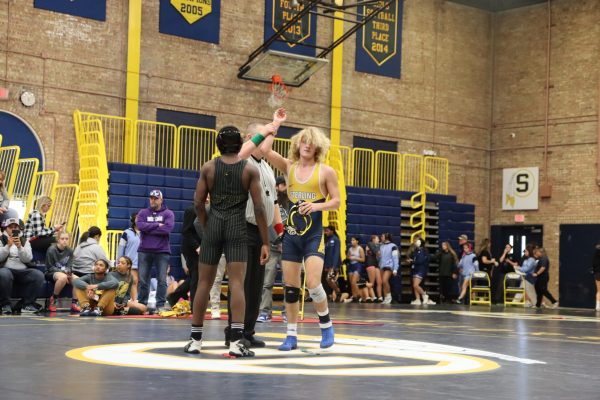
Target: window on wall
196, 143
385, 172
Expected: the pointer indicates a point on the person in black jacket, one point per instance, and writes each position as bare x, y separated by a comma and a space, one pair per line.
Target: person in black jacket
447, 259
191, 237
596, 267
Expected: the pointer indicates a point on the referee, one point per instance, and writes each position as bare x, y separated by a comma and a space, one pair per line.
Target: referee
255, 272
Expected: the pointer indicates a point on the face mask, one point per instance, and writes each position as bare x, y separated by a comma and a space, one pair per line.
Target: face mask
418, 243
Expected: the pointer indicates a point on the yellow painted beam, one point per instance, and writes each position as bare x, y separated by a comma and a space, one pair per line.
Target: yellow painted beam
134, 38
336, 80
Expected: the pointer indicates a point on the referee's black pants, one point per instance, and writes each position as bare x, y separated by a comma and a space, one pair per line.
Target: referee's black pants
253, 282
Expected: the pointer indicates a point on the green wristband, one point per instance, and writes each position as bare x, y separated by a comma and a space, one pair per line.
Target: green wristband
257, 139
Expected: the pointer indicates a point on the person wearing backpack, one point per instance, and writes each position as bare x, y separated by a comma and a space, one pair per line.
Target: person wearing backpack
15, 269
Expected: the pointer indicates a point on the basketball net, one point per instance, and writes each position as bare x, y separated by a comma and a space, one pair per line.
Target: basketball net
279, 92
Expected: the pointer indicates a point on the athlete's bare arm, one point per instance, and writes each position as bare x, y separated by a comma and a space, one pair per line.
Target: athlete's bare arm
202, 188
332, 191
251, 180
280, 162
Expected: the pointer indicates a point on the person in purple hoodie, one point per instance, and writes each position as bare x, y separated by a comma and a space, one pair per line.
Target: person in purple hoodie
155, 224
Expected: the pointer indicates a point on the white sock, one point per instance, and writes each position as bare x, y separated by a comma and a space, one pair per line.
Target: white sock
292, 329
598, 304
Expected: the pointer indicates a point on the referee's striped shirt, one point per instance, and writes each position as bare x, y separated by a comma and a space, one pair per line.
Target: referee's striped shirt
268, 192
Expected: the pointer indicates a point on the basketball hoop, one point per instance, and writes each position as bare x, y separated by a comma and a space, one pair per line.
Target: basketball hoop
279, 92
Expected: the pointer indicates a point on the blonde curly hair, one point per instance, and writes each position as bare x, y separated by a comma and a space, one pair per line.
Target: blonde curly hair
310, 135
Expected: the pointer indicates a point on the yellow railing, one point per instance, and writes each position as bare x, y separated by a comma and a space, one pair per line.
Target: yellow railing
436, 172
93, 166
112, 238
412, 168
363, 168
9, 156
338, 218
23, 188
197, 146
45, 185
388, 170
159, 144
118, 132
64, 205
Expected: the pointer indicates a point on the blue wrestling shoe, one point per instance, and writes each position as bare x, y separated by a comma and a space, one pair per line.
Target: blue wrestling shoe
290, 343
326, 337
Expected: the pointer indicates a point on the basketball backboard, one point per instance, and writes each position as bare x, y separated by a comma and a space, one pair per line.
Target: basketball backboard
294, 69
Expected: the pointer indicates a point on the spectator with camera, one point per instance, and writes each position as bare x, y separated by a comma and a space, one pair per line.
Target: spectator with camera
59, 259
15, 269
40, 236
96, 292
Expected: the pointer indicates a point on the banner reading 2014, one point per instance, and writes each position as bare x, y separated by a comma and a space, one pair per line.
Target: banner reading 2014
277, 14
379, 42
193, 19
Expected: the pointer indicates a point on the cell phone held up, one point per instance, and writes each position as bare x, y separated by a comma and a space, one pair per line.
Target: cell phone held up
16, 233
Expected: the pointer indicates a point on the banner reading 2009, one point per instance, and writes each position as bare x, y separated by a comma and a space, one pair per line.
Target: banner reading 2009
277, 14
379, 42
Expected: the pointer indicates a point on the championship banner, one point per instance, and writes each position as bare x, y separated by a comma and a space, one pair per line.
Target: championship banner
520, 188
379, 42
93, 9
277, 14
192, 19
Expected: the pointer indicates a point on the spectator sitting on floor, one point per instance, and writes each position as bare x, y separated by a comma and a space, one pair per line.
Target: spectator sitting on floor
125, 303
128, 246
15, 256
5, 212
59, 259
87, 252
36, 231
96, 292
339, 285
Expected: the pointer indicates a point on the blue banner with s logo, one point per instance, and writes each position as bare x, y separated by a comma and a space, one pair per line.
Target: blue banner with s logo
277, 14
193, 19
93, 9
379, 41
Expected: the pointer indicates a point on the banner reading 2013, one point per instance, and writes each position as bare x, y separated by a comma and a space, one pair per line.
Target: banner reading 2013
379, 42
277, 14
193, 19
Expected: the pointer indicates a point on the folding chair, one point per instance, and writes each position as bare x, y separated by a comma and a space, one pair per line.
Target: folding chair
514, 290
479, 288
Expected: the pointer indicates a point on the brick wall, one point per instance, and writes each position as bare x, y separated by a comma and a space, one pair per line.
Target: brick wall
519, 109
469, 80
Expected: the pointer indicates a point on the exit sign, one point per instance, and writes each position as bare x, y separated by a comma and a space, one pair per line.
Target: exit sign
3, 93
520, 218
